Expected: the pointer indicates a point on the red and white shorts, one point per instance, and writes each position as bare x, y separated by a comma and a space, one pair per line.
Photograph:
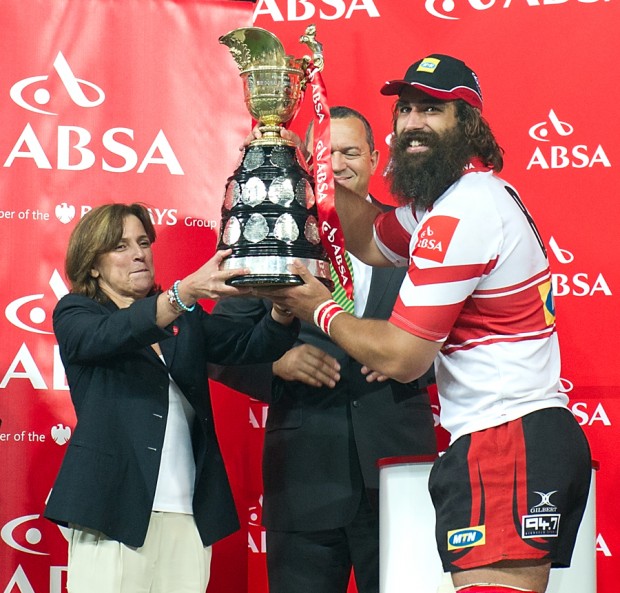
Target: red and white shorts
513, 492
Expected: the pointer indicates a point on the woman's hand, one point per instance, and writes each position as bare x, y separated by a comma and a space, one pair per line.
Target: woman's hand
209, 282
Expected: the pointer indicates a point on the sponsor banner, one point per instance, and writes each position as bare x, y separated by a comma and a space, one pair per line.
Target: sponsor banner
123, 100
135, 100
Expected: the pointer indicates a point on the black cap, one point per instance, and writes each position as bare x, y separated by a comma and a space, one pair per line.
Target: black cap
442, 77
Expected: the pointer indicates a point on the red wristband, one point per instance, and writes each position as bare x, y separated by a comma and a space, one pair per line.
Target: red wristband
325, 313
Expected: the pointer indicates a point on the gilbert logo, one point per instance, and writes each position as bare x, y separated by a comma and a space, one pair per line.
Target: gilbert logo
30, 91
555, 152
434, 238
545, 503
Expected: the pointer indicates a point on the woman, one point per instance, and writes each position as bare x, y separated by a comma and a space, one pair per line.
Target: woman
143, 484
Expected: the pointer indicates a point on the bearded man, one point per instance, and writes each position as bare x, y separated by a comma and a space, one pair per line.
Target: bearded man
477, 301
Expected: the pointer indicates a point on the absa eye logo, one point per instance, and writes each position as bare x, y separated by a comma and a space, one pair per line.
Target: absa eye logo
29, 533
32, 320
440, 8
42, 96
557, 155
257, 536
540, 131
32, 313
578, 284
73, 145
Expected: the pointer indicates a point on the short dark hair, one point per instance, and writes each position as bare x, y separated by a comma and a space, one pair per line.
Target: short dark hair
342, 112
99, 232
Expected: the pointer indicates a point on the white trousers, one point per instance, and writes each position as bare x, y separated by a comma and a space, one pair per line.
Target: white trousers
172, 560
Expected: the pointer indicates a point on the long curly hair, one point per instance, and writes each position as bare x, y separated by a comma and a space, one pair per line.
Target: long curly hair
481, 140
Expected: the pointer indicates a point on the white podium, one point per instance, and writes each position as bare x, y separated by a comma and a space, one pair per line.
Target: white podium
409, 562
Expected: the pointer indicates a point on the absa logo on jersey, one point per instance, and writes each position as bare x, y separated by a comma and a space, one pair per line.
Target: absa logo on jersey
557, 155
73, 142
580, 284
304, 10
445, 9
434, 238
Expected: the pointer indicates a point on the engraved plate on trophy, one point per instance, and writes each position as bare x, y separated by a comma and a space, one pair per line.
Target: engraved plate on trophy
269, 214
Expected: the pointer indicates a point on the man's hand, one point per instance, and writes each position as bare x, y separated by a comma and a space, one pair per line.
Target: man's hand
308, 364
285, 134
372, 376
302, 299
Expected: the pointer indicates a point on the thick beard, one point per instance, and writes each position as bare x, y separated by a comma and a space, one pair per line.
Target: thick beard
422, 177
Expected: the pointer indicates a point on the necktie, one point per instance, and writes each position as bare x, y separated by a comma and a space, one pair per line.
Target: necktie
339, 294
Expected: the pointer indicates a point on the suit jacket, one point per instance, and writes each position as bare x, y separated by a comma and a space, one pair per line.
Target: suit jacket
322, 445
119, 388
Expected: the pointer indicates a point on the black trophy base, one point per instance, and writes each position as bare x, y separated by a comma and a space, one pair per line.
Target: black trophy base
275, 280
274, 271
266, 280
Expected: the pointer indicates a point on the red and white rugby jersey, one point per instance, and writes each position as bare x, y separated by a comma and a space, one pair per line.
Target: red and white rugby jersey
479, 282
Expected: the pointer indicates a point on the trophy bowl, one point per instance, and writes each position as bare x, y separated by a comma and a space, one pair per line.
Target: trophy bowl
272, 96
269, 213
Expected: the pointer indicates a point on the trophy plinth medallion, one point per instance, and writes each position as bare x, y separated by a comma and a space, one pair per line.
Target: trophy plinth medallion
269, 213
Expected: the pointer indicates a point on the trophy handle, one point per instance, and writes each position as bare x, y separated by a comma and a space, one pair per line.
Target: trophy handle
309, 39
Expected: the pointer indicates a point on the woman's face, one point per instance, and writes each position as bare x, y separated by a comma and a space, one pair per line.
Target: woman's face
126, 273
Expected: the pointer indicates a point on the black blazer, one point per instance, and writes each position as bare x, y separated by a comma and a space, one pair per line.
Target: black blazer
119, 388
322, 445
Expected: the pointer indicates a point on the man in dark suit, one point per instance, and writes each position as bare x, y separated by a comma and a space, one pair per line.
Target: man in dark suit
327, 426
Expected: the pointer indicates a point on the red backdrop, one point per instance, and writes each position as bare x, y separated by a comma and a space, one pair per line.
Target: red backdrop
130, 100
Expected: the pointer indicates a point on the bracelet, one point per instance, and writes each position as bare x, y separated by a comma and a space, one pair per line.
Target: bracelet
173, 301
177, 298
325, 313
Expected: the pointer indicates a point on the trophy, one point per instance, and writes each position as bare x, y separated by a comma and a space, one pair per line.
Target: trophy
269, 213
